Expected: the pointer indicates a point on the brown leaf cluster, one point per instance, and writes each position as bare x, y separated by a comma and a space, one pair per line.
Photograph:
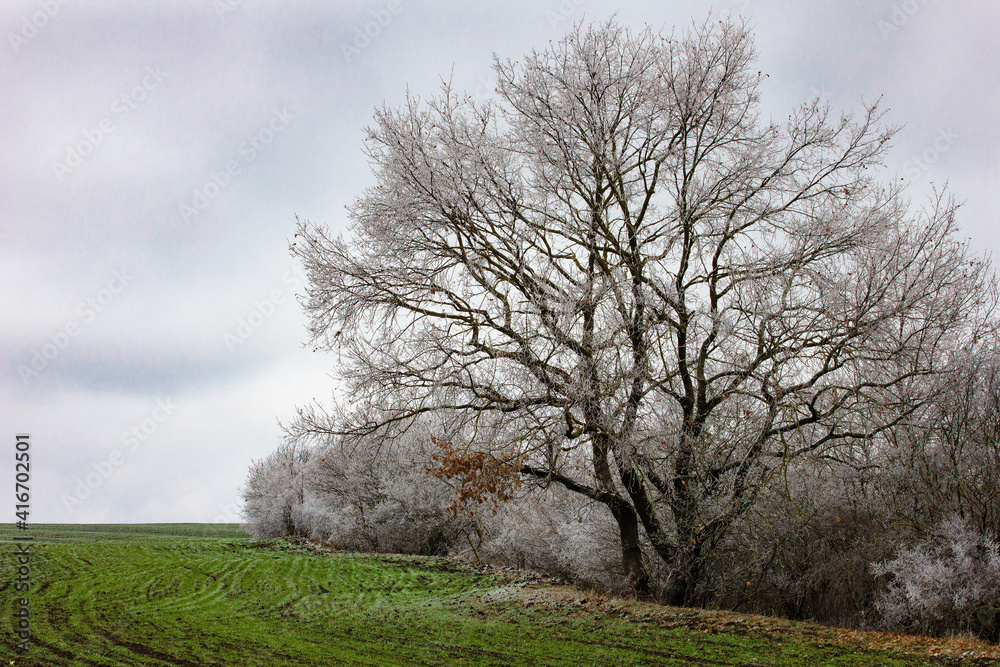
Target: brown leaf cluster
481, 477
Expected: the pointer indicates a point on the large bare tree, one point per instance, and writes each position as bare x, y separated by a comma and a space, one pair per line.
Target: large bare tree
617, 278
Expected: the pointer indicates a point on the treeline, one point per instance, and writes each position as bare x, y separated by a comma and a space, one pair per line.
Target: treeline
613, 325
900, 533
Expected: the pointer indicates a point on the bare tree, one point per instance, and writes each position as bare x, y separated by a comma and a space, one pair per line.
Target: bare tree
947, 465
622, 281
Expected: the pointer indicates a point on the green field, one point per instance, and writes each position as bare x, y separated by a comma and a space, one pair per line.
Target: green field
189, 594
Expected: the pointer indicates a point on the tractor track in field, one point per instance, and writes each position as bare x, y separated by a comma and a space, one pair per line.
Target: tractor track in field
222, 582
197, 571
652, 652
68, 655
141, 649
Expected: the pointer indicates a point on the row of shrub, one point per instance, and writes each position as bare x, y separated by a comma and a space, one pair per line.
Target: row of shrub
904, 536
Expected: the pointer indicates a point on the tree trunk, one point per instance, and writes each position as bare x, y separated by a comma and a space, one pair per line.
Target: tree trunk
685, 578
636, 577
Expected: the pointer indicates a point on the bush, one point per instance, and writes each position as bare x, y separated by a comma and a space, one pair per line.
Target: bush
947, 582
373, 496
555, 532
274, 491
804, 551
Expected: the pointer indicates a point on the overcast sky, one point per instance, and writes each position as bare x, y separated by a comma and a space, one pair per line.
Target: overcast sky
154, 156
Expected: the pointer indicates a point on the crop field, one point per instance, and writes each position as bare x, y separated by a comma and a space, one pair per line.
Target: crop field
188, 594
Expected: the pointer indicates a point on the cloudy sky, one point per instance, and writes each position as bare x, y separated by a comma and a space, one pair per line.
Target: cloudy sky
154, 157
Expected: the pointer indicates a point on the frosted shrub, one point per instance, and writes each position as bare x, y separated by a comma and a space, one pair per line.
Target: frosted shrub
271, 516
275, 487
560, 535
412, 516
948, 582
804, 553
380, 499
311, 520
